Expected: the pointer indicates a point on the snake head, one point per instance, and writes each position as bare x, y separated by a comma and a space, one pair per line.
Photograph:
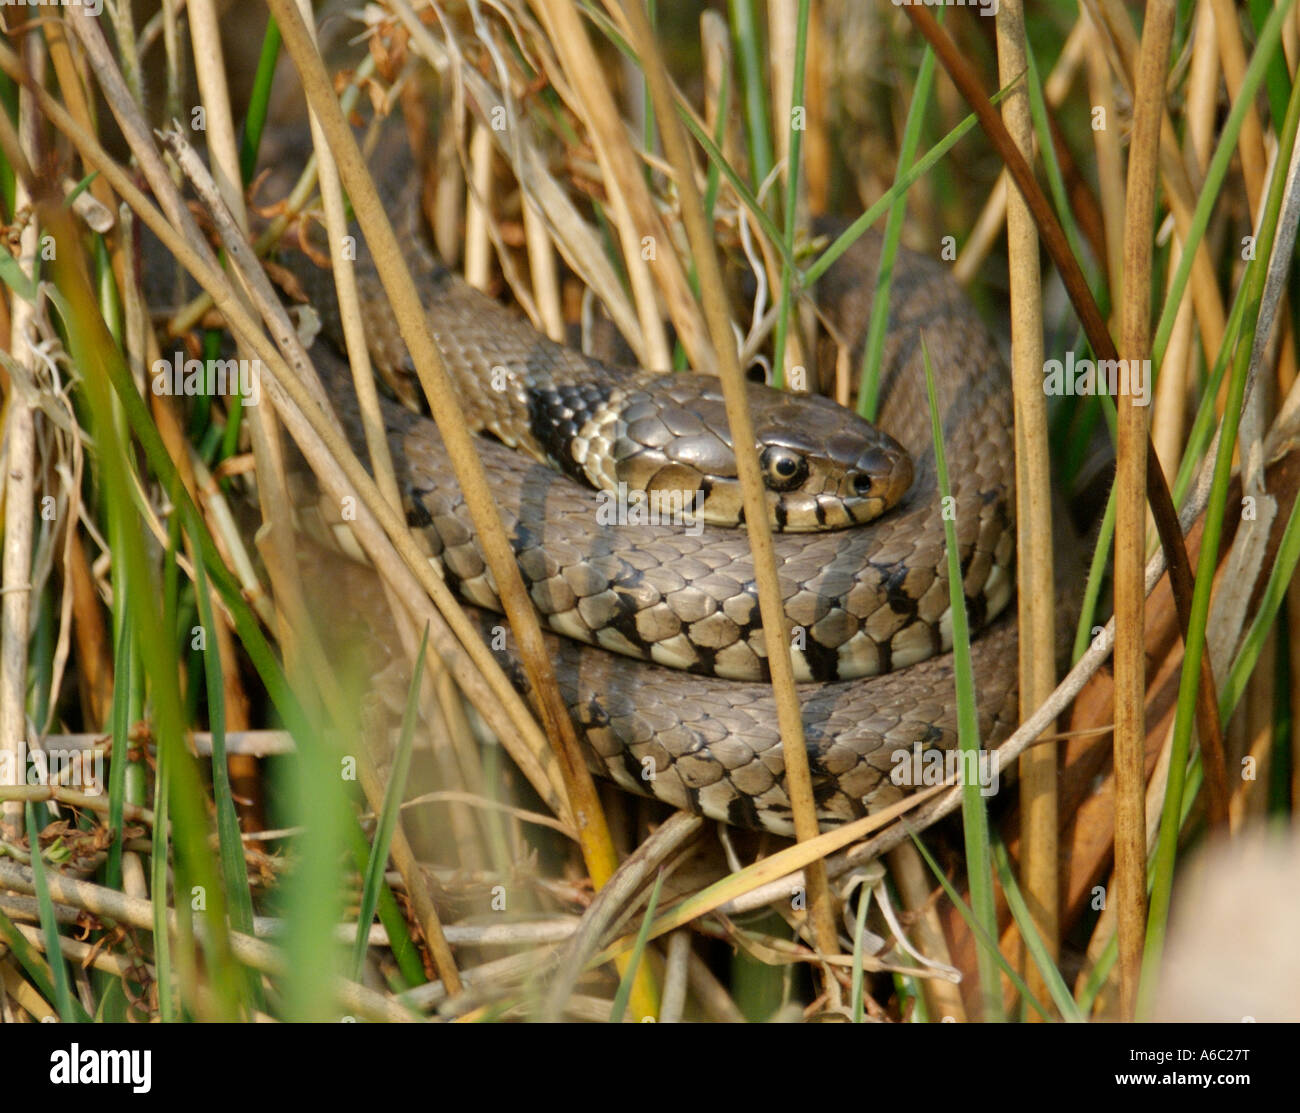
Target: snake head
823, 466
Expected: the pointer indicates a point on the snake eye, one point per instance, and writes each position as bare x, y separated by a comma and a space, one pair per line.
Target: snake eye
783, 469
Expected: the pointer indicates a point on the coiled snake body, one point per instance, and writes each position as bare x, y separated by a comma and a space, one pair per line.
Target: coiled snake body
870, 605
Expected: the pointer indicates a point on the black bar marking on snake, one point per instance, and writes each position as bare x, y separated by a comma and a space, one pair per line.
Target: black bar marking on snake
823, 660
635, 769
894, 584
741, 811
417, 514
556, 414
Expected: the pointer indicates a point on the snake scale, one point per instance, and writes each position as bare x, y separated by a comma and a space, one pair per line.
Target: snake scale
869, 604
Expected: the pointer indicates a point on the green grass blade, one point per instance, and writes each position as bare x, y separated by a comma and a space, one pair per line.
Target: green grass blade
745, 29
29, 958
1207, 563
1052, 167
647, 101
9, 106
1096, 574
873, 349
791, 198
1269, 40
247, 627
410, 968
374, 875
1206, 419
1197, 440
1056, 986
710, 145
94, 352
1056, 180
313, 892
1099, 974
1279, 580
17, 279
259, 101
716, 158
919, 168
80, 188
979, 864
619, 1008
230, 845
158, 891
856, 998
713, 176
62, 999
1277, 81
985, 942
123, 660
712, 182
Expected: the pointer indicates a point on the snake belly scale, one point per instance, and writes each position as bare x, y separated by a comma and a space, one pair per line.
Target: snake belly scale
667, 692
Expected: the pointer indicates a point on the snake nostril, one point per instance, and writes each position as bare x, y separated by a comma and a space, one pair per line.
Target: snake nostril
862, 482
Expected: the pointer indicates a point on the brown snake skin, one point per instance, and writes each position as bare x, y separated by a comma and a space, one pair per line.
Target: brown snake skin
871, 601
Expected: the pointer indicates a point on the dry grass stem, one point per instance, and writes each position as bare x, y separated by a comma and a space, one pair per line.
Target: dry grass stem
1130, 518
771, 608
1035, 568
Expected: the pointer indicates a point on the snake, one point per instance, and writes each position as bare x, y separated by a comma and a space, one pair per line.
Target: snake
661, 658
